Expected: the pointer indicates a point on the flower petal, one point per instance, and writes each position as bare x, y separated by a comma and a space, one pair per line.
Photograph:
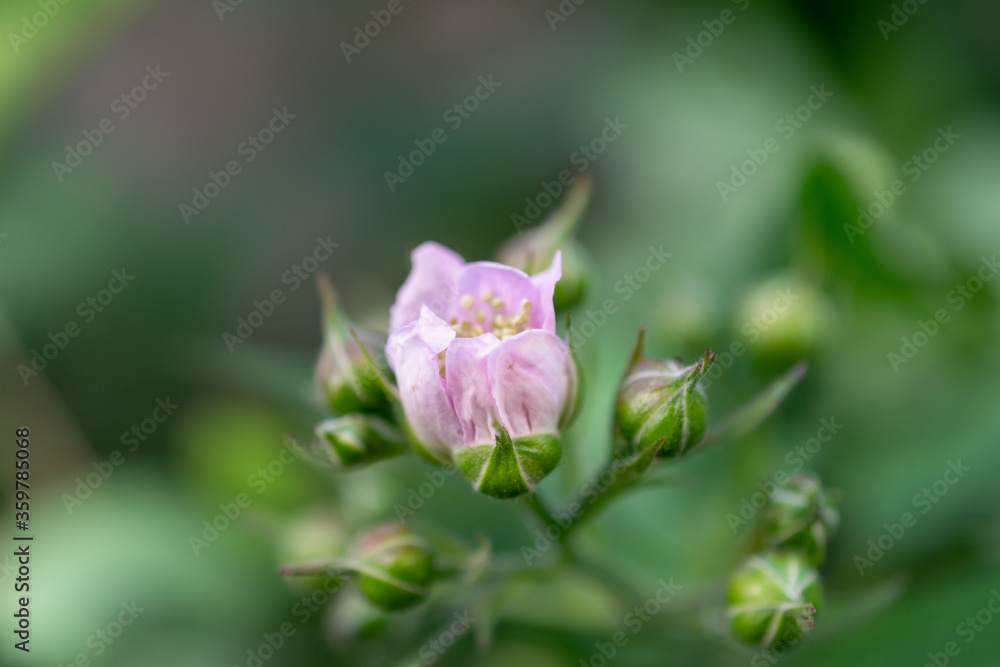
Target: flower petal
545, 283
412, 352
431, 282
468, 386
529, 377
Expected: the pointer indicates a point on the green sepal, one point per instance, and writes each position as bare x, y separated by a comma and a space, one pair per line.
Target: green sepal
510, 467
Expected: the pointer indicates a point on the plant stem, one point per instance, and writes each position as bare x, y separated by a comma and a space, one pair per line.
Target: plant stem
542, 512
595, 502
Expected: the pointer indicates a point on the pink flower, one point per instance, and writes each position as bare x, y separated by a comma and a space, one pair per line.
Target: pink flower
482, 375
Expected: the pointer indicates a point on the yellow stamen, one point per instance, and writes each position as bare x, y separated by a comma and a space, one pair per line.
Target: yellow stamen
467, 301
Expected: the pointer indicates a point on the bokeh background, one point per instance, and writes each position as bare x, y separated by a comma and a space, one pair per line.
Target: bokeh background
688, 123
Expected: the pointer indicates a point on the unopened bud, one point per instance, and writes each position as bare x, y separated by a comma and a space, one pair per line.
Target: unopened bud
785, 319
660, 400
799, 517
532, 250
395, 567
357, 439
773, 598
344, 375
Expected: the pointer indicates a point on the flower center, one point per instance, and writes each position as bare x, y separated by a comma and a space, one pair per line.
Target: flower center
498, 322
491, 316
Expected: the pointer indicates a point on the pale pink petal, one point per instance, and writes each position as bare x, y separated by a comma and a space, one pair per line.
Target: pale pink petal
431, 282
544, 315
468, 387
434, 331
529, 378
422, 389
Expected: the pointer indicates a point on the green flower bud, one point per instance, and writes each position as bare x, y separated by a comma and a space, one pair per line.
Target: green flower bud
532, 250
572, 287
357, 439
772, 598
799, 517
660, 400
512, 466
345, 377
785, 319
395, 567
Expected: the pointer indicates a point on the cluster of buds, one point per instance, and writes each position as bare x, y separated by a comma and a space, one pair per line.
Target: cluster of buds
351, 386
775, 593
475, 377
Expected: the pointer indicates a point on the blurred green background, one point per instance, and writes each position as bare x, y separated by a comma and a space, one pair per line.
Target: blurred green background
690, 123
